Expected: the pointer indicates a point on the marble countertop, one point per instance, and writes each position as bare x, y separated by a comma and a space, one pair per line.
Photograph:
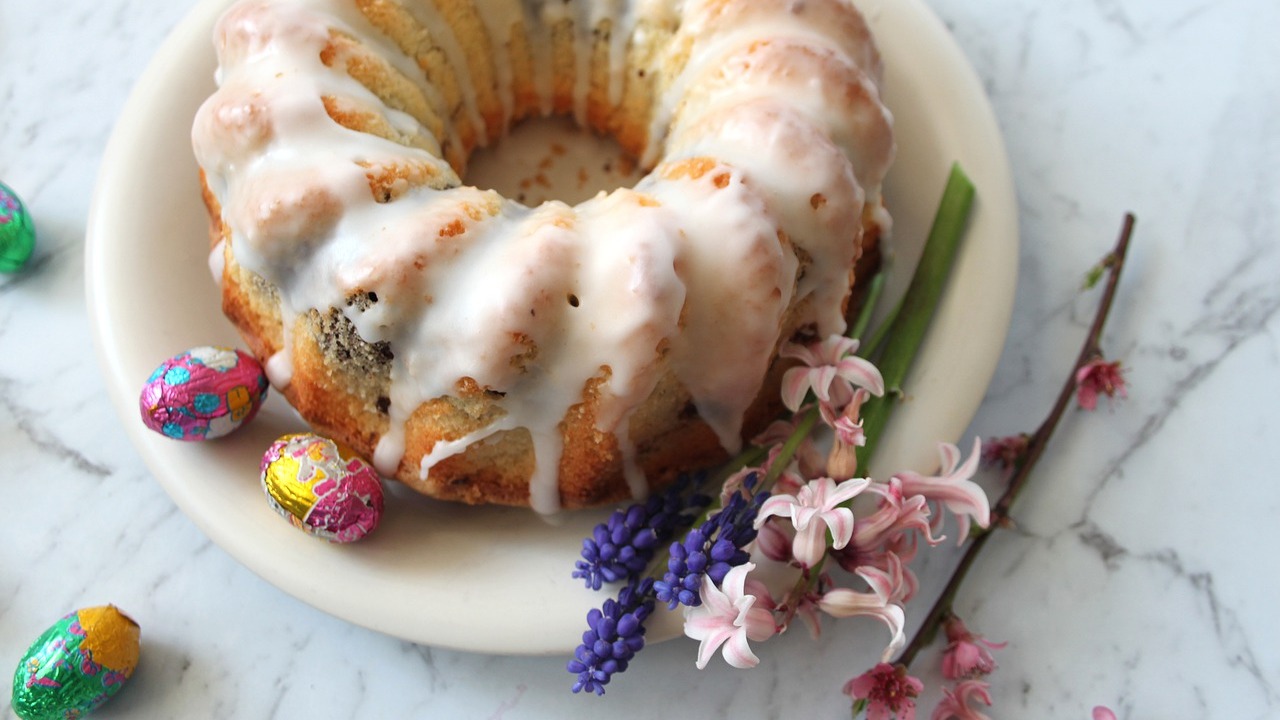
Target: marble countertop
1134, 578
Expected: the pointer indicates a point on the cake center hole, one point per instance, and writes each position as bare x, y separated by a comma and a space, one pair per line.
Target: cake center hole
552, 159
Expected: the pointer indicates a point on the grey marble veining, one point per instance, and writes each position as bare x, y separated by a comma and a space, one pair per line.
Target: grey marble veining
1140, 574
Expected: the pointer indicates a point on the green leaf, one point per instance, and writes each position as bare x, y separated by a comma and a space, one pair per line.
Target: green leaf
911, 318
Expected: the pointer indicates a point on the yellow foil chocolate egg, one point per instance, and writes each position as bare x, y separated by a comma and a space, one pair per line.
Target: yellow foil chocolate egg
321, 487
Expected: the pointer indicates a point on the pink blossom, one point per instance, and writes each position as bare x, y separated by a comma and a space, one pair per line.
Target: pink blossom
831, 370
729, 616
955, 703
814, 509
1005, 451
886, 690
1102, 712
967, 655
883, 602
952, 487
1099, 377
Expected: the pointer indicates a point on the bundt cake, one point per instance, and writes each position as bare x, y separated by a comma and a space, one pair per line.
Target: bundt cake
554, 356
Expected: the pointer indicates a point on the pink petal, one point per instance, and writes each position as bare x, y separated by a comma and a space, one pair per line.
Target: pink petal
847, 490
810, 544
1087, 397
822, 378
734, 582
773, 543
880, 581
802, 516
862, 373
795, 386
950, 457
779, 505
758, 623
798, 352
716, 602
737, 652
701, 625
861, 686
764, 599
711, 643
840, 521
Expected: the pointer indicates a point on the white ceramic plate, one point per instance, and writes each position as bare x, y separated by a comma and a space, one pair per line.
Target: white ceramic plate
493, 580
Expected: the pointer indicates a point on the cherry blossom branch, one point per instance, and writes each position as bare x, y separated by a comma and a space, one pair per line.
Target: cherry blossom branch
1112, 264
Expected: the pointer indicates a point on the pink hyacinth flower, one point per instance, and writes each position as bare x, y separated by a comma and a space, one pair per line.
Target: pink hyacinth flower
729, 616
967, 655
888, 691
1006, 451
957, 704
952, 487
1099, 377
896, 515
814, 509
1102, 712
831, 371
883, 602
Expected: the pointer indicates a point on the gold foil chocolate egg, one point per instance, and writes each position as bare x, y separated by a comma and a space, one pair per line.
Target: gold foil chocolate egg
76, 665
322, 488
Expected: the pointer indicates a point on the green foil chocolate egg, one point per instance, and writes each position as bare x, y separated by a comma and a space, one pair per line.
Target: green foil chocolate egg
17, 232
76, 665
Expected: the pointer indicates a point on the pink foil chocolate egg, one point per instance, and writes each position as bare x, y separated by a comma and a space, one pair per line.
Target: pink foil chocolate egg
203, 393
322, 488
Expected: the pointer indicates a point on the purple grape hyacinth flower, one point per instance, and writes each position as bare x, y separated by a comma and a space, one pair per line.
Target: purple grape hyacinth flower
712, 549
615, 634
621, 548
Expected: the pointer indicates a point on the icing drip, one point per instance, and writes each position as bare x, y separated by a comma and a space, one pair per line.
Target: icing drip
768, 139
217, 261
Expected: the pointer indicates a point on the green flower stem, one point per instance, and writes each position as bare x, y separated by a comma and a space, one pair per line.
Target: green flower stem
911, 318
1035, 448
803, 428
874, 290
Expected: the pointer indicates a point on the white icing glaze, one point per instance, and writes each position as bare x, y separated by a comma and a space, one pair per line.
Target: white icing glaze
691, 273
218, 261
279, 370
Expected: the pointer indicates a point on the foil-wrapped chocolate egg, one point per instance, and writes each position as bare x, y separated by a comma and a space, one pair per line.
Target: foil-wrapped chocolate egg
17, 232
321, 487
203, 393
76, 665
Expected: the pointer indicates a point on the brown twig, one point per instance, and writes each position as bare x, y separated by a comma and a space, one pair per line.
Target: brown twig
1114, 263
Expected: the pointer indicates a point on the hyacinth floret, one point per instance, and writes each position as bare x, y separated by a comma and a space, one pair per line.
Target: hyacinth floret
621, 547
614, 635
712, 549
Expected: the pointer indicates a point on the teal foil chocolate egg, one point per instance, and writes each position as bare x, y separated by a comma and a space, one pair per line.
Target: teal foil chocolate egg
76, 665
17, 231
203, 393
